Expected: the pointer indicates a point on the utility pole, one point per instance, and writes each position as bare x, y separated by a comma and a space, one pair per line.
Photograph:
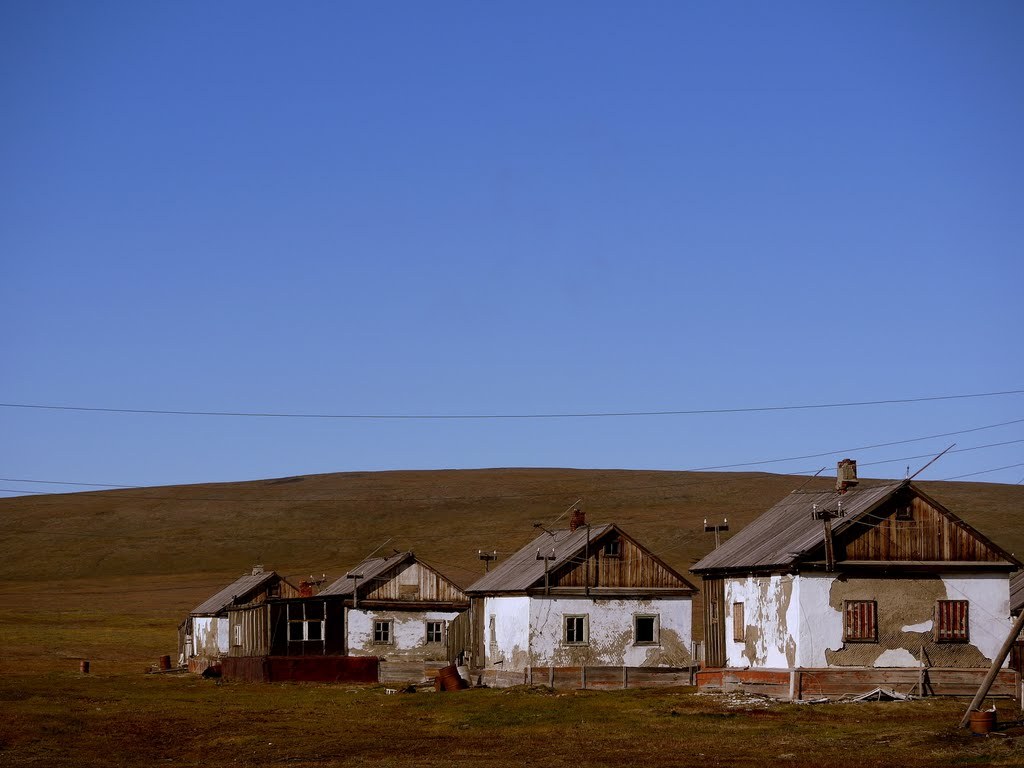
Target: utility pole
487, 557
717, 529
546, 559
826, 516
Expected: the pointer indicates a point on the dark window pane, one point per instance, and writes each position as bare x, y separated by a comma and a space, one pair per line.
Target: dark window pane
295, 630
645, 629
313, 630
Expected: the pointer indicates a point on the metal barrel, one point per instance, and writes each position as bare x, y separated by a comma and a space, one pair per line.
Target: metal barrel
451, 680
83, 667
165, 663
983, 721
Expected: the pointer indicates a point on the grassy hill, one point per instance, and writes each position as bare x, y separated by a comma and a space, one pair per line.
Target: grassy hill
327, 523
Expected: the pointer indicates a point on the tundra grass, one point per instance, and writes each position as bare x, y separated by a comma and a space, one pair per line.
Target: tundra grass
65, 718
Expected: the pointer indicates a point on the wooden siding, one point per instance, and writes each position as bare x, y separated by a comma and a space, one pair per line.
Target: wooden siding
413, 582
249, 631
713, 593
633, 567
908, 528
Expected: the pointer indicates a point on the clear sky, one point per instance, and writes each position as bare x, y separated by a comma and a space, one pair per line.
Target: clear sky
530, 207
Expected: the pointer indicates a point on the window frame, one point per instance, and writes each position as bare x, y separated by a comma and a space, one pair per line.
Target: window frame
862, 637
388, 625
304, 621
440, 631
655, 629
943, 634
583, 627
612, 549
739, 623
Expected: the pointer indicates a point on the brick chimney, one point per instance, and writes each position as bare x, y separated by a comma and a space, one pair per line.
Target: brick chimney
846, 475
578, 519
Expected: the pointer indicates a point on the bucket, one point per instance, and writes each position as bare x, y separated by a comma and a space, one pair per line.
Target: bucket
83, 667
165, 663
983, 721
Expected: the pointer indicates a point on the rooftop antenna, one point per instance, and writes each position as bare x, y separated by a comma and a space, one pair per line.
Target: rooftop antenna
937, 457
541, 526
805, 482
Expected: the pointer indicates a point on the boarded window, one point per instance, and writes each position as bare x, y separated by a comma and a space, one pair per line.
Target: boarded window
951, 621
435, 631
382, 633
860, 621
645, 629
613, 548
238, 634
575, 630
739, 623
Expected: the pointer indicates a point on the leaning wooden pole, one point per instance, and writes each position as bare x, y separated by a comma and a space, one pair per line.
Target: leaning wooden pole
997, 663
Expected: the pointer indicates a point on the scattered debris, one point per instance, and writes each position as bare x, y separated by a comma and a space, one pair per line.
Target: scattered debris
881, 694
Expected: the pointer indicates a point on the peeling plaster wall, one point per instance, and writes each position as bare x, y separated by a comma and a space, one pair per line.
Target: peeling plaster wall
989, 619
409, 634
821, 625
771, 610
906, 610
210, 636
610, 640
511, 649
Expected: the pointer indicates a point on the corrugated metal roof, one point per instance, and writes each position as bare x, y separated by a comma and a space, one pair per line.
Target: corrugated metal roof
782, 534
1017, 593
235, 590
366, 571
522, 570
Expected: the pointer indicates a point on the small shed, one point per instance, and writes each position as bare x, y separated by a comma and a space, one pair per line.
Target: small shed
840, 591
204, 635
582, 607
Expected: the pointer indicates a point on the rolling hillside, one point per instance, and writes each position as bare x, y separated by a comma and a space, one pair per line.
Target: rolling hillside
327, 523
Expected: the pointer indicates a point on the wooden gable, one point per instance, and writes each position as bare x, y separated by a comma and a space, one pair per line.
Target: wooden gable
910, 527
617, 561
412, 581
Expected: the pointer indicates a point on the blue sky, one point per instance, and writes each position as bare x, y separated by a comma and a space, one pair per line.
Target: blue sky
450, 208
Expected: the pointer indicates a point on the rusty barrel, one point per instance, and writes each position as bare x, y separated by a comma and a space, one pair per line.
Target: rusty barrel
451, 680
83, 667
983, 721
165, 663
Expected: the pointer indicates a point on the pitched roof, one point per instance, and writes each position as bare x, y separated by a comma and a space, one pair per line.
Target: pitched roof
786, 531
237, 589
1017, 593
522, 570
365, 573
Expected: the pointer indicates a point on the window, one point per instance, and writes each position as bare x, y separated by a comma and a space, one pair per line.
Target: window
951, 621
613, 548
435, 631
238, 635
575, 630
305, 622
860, 621
739, 623
645, 629
382, 633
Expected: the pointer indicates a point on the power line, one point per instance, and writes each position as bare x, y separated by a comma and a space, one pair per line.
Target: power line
480, 416
985, 471
515, 496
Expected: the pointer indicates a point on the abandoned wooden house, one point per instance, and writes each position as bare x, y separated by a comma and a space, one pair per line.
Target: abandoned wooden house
583, 607
390, 619
203, 637
841, 591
